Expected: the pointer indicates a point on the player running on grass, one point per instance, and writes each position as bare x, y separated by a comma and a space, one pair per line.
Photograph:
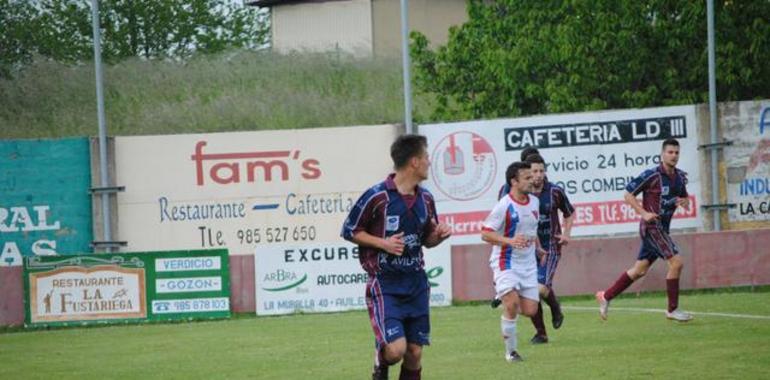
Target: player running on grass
503, 192
663, 188
552, 238
511, 228
552, 200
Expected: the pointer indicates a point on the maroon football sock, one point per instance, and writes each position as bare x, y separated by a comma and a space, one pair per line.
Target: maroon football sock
537, 320
618, 287
672, 288
380, 371
552, 302
410, 374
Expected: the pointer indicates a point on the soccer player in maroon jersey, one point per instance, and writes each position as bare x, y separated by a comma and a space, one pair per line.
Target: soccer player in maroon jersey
663, 188
391, 222
553, 200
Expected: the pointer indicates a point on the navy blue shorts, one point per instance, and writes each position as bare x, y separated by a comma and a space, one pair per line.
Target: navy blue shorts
546, 271
394, 316
656, 243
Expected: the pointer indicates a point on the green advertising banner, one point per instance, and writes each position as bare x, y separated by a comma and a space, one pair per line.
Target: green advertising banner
126, 287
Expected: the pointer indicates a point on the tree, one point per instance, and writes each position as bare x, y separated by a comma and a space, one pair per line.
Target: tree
518, 57
61, 29
17, 19
151, 28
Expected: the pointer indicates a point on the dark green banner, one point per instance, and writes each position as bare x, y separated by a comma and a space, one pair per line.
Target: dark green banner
126, 287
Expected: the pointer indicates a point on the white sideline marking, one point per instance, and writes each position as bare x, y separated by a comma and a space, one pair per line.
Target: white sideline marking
661, 311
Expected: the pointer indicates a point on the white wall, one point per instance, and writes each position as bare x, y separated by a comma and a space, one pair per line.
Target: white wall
346, 25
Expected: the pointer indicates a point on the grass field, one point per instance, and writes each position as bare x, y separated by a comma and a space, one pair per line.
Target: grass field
633, 344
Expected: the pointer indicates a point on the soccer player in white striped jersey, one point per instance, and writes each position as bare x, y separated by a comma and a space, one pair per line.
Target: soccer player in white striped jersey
511, 228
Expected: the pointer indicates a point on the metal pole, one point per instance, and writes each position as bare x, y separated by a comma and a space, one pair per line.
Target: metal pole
407, 65
715, 188
107, 233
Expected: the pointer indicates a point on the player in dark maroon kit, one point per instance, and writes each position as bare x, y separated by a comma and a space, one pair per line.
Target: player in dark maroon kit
663, 188
552, 237
391, 222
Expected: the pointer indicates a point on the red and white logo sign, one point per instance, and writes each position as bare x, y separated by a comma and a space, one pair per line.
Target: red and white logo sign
463, 166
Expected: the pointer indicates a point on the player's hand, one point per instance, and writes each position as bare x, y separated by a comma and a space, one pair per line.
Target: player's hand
394, 244
650, 217
683, 202
444, 231
542, 255
519, 242
563, 239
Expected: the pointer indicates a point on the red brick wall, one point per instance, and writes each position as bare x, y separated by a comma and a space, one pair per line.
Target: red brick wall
242, 287
11, 296
712, 260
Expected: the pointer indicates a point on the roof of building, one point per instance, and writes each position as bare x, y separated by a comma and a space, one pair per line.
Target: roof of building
270, 3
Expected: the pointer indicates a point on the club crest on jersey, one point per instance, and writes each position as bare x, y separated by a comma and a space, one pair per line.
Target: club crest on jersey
664, 190
391, 223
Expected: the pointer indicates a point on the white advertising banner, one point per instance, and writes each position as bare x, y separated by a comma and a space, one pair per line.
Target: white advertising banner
747, 126
593, 156
328, 277
241, 190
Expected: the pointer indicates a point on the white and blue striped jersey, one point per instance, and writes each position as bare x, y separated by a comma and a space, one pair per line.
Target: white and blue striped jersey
510, 218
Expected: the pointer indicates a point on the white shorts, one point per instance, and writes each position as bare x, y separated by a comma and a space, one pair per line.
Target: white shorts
508, 280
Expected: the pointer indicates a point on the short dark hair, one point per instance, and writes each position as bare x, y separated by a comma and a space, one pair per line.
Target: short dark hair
513, 170
535, 158
406, 147
527, 151
669, 141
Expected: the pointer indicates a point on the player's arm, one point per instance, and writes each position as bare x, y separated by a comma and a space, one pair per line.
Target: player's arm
440, 233
495, 222
359, 220
541, 253
393, 244
435, 232
636, 186
634, 203
566, 230
568, 212
492, 237
684, 200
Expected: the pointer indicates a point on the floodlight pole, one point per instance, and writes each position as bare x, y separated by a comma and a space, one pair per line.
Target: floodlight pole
406, 61
104, 176
715, 185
